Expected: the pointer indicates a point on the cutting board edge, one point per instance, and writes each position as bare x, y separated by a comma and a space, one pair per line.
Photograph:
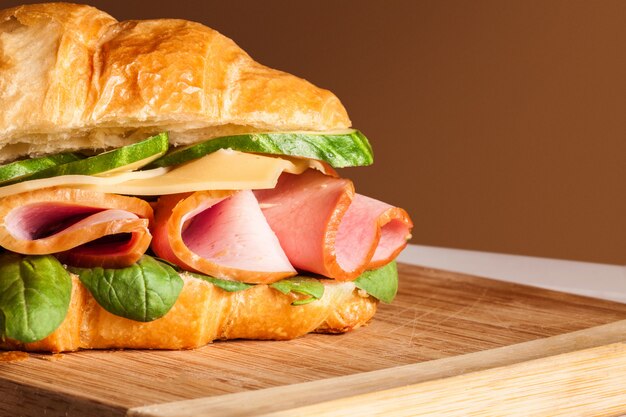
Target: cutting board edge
363, 385
575, 383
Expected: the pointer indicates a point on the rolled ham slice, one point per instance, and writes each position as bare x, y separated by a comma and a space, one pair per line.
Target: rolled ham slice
219, 233
81, 227
324, 227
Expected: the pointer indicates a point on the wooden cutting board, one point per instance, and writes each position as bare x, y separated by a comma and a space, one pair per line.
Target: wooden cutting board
450, 344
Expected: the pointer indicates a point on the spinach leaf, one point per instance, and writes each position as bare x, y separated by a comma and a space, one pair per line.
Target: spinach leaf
144, 291
300, 285
225, 284
35, 293
381, 283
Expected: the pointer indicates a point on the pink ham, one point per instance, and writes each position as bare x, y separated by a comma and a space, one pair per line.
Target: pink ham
324, 227
83, 228
219, 233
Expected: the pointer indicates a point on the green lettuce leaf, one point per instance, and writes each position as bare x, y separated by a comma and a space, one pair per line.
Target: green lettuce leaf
225, 284
300, 285
143, 292
35, 293
381, 283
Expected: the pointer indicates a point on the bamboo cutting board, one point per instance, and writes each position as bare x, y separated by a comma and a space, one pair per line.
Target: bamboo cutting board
450, 344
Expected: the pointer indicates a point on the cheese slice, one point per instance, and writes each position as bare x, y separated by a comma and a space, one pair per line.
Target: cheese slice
221, 170
79, 180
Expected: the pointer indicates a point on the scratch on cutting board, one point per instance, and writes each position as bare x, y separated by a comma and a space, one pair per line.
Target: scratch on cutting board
415, 318
464, 309
412, 321
501, 323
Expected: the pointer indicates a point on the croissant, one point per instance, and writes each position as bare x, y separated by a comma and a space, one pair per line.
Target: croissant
204, 313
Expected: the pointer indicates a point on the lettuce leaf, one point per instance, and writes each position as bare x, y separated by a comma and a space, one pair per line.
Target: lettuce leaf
225, 284
300, 285
35, 293
142, 292
381, 283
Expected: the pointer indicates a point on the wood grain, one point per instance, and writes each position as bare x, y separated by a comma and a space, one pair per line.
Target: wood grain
573, 384
577, 362
437, 315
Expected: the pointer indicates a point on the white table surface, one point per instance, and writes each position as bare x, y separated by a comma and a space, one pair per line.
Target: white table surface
585, 278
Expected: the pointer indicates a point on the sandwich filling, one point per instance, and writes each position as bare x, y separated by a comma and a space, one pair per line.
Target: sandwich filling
128, 222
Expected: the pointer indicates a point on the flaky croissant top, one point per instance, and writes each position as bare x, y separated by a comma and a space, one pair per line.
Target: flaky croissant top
72, 77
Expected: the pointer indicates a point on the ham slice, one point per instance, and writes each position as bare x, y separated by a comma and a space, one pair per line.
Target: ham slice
324, 227
83, 228
219, 233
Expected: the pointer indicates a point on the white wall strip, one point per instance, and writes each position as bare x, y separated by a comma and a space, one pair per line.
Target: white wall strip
584, 278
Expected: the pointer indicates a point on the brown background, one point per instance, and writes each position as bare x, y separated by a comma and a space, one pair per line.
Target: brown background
499, 125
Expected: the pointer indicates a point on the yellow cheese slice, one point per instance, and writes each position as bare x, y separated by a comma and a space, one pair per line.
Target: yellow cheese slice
79, 180
222, 170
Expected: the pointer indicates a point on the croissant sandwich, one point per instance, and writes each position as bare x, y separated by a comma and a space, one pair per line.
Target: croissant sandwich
159, 189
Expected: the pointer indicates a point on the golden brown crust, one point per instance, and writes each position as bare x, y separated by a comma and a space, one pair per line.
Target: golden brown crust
72, 77
74, 71
204, 313
46, 55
